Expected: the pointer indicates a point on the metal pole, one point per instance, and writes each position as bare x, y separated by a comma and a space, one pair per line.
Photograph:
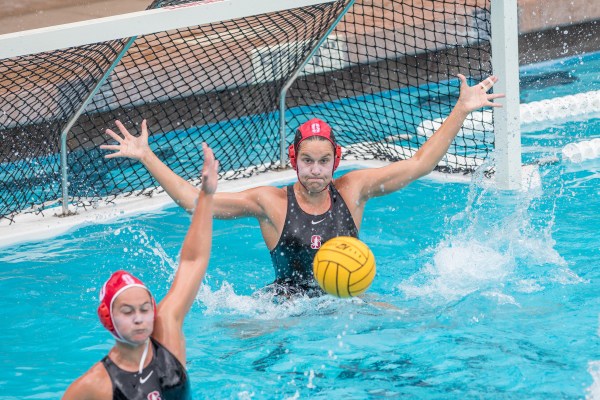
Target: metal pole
505, 64
292, 79
67, 128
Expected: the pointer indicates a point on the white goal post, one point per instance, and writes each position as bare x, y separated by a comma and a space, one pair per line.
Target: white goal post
505, 64
205, 62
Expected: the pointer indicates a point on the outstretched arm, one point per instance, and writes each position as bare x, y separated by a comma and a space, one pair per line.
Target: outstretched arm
137, 148
193, 262
380, 181
227, 205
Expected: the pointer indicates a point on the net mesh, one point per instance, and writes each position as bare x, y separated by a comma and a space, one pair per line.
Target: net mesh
382, 79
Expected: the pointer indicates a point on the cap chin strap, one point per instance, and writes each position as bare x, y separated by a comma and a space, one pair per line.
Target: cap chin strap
144, 355
120, 337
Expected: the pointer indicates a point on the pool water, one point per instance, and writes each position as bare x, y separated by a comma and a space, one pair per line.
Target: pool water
478, 293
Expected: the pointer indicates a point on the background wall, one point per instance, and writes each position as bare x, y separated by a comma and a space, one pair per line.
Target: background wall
548, 28
537, 15
20, 15
534, 15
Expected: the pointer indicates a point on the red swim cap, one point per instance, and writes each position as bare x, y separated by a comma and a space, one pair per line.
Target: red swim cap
314, 127
114, 286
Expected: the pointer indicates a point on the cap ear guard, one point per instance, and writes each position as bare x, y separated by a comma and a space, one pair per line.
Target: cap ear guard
292, 156
314, 127
104, 315
106, 318
337, 157
118, 282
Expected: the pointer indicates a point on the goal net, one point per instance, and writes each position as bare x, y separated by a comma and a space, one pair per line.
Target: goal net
383, 79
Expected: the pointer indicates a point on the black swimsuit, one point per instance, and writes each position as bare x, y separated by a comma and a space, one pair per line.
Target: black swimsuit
164, 378
302, 235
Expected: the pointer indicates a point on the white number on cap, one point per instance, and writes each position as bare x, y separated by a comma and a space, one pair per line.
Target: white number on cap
103, 291
316, 128
128, 279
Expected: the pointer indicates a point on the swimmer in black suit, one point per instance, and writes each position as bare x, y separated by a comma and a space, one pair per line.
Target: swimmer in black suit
148, 359
295, 220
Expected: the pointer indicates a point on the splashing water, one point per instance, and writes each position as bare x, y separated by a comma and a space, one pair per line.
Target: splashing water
264, 305
494, 243
593, 392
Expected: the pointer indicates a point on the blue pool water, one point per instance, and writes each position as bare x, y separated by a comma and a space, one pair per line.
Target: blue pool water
485, 294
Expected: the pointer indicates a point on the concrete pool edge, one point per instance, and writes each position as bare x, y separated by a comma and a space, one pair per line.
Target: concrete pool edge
34, 227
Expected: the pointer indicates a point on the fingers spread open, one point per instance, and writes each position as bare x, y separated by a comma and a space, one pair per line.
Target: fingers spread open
110, 147
114, 136
488, 82
144, 128
113, 155
122, 128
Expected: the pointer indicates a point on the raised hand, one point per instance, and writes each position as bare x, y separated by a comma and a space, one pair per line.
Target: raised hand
209, 170
128, 145
475, 97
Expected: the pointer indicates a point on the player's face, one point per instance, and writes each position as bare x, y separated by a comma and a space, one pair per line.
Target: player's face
133, 315
315, 164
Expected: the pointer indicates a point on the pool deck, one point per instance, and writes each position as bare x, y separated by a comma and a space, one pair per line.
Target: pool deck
31, 227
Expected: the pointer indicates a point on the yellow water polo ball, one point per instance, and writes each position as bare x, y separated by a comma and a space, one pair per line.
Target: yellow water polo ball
344, 266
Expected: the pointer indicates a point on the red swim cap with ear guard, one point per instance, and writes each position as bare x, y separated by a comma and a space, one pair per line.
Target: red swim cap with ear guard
113, 287
314, 127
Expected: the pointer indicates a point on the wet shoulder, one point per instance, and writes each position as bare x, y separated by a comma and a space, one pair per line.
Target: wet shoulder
94, 384
272, 200
271, 193
349, 186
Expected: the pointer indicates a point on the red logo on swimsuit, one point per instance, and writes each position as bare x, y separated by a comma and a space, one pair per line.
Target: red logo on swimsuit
315, 242
154, 395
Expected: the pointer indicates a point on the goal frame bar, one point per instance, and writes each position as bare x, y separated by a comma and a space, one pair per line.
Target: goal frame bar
139, 23
507, 149
505, 64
